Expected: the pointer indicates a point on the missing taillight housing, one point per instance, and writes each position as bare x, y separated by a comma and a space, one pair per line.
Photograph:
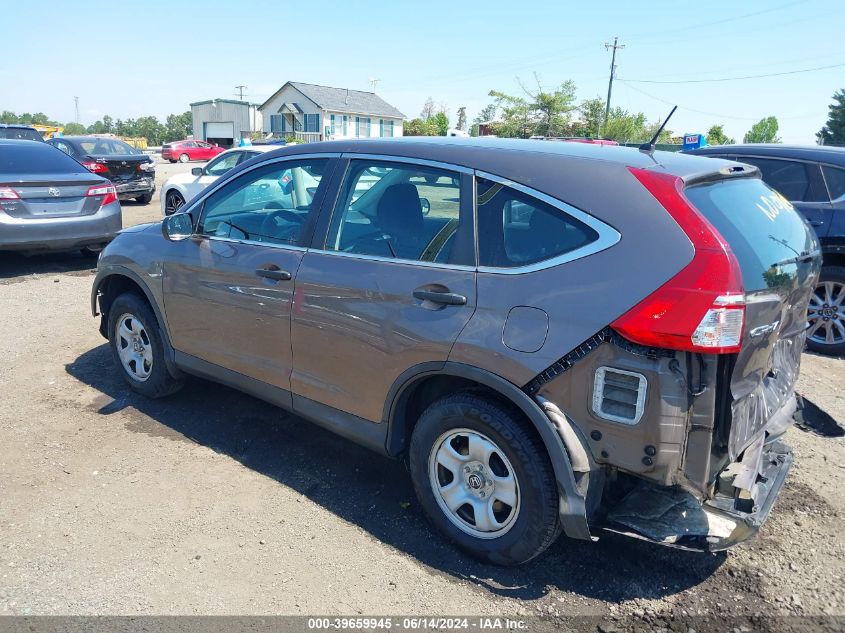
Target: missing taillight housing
108, 192
702, 308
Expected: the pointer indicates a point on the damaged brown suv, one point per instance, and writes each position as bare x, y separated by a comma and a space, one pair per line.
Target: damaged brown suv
558, 337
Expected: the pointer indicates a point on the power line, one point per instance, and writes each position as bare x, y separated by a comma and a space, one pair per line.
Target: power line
703, 81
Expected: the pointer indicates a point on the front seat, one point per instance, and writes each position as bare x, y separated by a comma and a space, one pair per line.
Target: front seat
400, 217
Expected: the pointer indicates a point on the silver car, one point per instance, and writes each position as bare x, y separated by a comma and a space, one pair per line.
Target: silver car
48, 201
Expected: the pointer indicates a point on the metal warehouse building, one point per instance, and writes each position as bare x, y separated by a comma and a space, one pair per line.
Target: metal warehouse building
225, 121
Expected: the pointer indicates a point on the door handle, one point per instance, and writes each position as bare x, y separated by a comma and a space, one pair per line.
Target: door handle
273, 273
816, 222
446, 298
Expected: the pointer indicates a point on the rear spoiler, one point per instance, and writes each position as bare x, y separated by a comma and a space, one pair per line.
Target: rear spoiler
731, 170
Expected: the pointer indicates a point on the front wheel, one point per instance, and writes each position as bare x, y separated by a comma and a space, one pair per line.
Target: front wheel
184, 158
826, 314
483, 479
138, 347
173, 201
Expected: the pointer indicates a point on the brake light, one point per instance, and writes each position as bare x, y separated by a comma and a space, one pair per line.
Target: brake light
702, 308
108, 192
97, 168
7, 193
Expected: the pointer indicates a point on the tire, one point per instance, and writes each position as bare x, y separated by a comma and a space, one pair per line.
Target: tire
520, 529
145, 199
91, 251
173, 201
184, 158
172, 160
137, 316
826, 315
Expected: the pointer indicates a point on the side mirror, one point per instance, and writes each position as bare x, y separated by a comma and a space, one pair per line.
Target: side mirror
426, 206
197, 171
178, 227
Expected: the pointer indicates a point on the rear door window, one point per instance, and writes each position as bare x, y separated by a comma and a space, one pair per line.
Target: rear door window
835, 178
515, 229
763, 229
796, 181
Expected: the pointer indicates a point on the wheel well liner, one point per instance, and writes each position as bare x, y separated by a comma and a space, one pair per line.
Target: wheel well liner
427, 381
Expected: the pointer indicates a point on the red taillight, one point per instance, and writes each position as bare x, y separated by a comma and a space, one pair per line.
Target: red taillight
97, 168
702, 308
7, 193
108, 192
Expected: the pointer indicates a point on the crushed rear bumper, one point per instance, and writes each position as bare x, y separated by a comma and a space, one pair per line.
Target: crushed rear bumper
674, 517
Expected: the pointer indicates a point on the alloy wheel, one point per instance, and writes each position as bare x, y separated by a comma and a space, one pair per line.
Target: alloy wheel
173, 203
134, 347
474, 483
826, 314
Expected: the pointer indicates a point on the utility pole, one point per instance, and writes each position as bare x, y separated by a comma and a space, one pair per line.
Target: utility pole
613, 46
76, 107
240, 92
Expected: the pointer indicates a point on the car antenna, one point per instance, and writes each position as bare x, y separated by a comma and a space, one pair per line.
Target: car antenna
648, 148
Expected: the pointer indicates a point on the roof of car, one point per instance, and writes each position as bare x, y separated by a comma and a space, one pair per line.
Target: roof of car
18, 125
821, 153
467, 151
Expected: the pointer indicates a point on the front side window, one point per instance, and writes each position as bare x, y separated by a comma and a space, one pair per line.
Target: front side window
515, 229
269, 205
402, 211
835, 178
222, 164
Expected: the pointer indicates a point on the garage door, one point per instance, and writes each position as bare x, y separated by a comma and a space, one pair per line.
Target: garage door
220, 130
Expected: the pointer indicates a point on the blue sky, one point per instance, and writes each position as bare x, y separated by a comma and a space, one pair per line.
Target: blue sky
129, 59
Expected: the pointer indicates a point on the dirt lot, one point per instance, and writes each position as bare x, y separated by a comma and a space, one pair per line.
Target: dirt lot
212, 502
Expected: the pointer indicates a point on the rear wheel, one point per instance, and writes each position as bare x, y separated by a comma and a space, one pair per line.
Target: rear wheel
138, 347
826, 314
483, 479
145, 199
184, 158
173, 201
91, 251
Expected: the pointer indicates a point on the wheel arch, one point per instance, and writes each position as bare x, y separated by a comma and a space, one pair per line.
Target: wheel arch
439, 378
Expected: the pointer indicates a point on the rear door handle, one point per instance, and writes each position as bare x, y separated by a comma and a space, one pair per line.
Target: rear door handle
446, 298
816, 222
273, 273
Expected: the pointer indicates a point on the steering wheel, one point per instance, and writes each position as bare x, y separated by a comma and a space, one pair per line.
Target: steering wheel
270, 225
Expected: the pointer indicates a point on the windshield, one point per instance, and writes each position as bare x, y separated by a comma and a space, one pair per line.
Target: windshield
763, 229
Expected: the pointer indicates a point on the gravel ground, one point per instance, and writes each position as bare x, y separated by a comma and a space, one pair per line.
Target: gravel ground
212, 502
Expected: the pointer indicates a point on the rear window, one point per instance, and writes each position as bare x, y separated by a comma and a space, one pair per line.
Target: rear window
107, 147
763, 229
29, 158
24, 133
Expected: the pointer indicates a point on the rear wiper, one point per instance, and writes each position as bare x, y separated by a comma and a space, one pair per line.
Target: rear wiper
802, 257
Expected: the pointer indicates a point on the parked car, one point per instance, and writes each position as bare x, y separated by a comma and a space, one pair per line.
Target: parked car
48, 201
131, 170
185, 151
541, 365
182, 187
813, 180
23, 132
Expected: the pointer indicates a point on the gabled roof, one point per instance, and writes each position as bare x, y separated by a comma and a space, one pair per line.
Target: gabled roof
342, 100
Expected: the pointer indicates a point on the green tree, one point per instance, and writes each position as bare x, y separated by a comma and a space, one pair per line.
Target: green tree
592, 116
716, 136
440, 123
420, 127
516, 121
541, 112
488, 113
74, 129
178, 126
833, 133
764, 131
8, 117
462, 118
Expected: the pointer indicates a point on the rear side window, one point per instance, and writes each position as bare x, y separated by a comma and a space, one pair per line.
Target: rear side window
41, 158
762, 228
515, 229
835, 178
794, 180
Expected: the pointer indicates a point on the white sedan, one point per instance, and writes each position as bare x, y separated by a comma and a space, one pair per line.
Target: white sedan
182, 187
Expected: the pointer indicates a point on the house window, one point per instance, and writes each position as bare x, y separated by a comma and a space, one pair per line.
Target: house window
312, 123
362, 126
385, 127
276, 123
338, 125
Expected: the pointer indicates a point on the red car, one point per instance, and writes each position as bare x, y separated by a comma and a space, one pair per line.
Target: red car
183, 151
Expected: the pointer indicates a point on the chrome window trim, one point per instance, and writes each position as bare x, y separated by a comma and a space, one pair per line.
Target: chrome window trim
607, 235
392, 260
408, 160
215, 238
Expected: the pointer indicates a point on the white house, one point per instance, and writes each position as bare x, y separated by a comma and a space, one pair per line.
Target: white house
224, 121
315, 113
